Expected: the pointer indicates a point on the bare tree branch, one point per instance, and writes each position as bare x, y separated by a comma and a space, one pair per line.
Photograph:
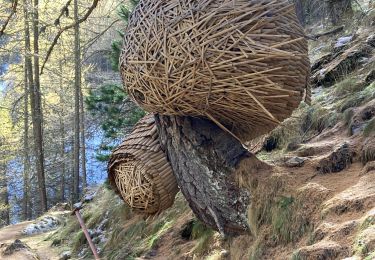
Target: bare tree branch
13, 11
60, 32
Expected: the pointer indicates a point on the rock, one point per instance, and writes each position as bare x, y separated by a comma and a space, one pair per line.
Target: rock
65, 255
331, 68
370, 77
45, 224
326, 250
15, 246
295, 162
342, 41
371, 40
337, 160
77, 205
224, 253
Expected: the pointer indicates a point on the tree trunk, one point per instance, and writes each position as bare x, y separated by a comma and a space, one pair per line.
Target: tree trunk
62, 136
205, 160
300, 11
83, 141
337, 9
26, 157
77, 86
4, 200
36, 110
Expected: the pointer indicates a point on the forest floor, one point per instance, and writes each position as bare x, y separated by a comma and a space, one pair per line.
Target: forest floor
15, 244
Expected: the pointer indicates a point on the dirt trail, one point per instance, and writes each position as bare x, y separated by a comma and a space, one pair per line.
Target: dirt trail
38, 248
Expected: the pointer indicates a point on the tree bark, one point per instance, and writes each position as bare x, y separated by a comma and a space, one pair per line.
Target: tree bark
337, 9
205, 159
36, 110
300, 11
77, 86
62, 136
4, 200
83, 140
26, 157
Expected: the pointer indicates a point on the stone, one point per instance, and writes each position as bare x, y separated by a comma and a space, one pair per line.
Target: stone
337, 160
295, 162
65, 255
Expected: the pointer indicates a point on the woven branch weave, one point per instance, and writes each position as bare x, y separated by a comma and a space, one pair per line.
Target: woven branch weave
139, 171
241, 63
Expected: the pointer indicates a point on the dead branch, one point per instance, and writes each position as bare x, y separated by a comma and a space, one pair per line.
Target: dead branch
60, 32
13, 11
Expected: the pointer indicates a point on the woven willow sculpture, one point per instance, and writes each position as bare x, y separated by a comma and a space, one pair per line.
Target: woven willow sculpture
241, 63
139, 171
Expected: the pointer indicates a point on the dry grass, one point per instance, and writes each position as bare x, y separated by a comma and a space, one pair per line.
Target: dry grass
368, 151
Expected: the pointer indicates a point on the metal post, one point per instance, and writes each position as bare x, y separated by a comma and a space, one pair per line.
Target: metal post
87, 235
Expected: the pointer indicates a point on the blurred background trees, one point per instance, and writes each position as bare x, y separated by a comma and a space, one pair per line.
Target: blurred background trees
55, 55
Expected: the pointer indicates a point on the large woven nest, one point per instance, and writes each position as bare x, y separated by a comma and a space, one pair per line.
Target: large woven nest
139, 171
241, 63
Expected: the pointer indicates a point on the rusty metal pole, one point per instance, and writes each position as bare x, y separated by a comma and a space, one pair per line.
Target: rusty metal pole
87, 235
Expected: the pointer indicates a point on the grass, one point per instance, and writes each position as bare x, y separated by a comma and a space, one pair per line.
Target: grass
257, 249
264, 194
78, 240
358, 98
281, 216
369, 128
368, 153
296, 256
203, 235
346, 87
370, 256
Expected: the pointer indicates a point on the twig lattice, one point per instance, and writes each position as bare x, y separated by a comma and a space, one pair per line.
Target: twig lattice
241, 63
139, 171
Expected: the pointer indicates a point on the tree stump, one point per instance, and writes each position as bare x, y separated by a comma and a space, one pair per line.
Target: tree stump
205, 159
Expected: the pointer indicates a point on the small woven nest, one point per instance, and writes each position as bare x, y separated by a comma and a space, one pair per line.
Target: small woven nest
243, 64
139, 171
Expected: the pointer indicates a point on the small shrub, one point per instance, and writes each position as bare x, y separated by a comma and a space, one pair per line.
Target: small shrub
347, 86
